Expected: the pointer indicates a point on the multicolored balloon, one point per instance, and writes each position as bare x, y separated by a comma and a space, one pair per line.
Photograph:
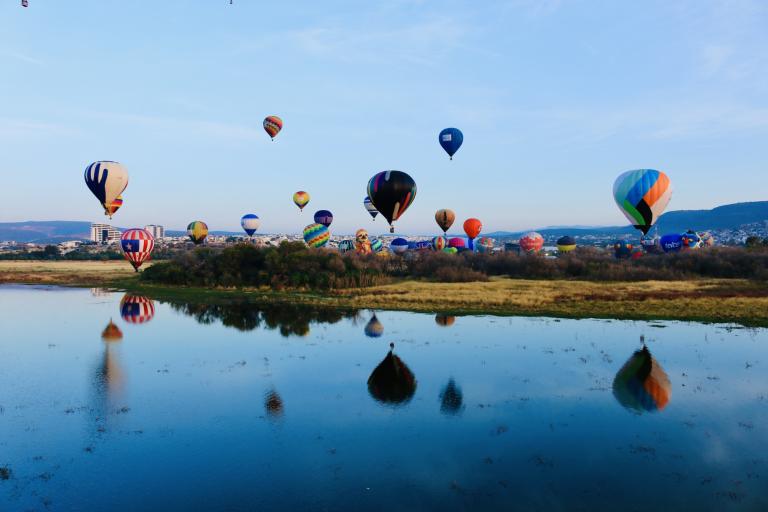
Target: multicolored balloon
346, 246
439, 243
362, 242
273, 125
399, 245
372, 211
672, 242
316, 235
642, 385
250, 223
532, 242
197, 231
136, 309
391, 193
106, 180
301, 199
691, 240
642, 195
451, 139
374, 328
485, 244
324, 217
114, 206
444, 219
622, 249
566, 244
376, 245
137, 245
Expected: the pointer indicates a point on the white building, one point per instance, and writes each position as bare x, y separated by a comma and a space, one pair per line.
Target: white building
156, 231
104, 234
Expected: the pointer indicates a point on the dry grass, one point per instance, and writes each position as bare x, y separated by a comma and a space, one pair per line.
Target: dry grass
722, 300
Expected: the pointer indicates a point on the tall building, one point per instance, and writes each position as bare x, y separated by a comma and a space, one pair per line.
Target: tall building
104, 234
156, 231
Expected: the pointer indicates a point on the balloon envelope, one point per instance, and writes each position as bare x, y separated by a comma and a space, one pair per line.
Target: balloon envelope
399, 245
445, 219
197, 231
273, 125
641, 384
324, 217
691, 240
137, 245
110, 209
346, 245
642, 195
485, 244
106, 180
439, 243
566, 243
372, 211
316, 235
622, 249
531, 242
651, 244
456, 242
672, 242
451, 139
250, 223
136, 309
391, 193
472, 227
374, 328
301, 199
376, 245
392, 382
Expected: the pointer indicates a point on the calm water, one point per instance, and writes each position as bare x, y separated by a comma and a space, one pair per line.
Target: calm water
138, 405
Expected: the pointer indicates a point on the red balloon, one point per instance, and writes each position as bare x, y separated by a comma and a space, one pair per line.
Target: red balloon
472, 227
532, 242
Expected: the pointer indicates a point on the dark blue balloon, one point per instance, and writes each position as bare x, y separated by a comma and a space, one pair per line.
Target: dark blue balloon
323, 217
672, 242
451, 139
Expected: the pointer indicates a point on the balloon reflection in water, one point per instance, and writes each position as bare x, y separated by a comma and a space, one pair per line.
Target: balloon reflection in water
374, 328
642, 385
111, 332
392, 382
136, 309
451, 399
273, 404
444, 320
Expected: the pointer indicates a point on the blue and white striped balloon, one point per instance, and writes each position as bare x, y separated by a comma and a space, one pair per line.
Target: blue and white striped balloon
250, 223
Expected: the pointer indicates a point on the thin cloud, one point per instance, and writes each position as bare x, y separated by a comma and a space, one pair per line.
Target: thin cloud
10, 54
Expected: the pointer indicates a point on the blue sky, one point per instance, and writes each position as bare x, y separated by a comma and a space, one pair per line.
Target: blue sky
555, 99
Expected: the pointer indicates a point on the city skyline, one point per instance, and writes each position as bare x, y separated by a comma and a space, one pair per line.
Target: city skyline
555, 100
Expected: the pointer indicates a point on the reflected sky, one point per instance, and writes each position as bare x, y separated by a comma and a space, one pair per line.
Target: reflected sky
241, 407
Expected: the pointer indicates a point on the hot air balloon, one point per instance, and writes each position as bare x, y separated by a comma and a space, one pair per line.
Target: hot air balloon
485, 244
642, 385
346, 245
113, 207
451, 399
637, 253
324, 217
316, 235
301, 199
622, 249
137, 245
250, 223
691, 240
532, 242
444, 320
672, 242
472, 228
273, 125
362, 242
111, 332
374, 328
450, 250
439, 243
707, 240
651, 244
273, 404
392, 382
399, 245
391, 193
444, 219
642, 195
456, 242
420, 245
376, 245
566, 244
370, 208
197, 231
106, 180
451, 139
136, 309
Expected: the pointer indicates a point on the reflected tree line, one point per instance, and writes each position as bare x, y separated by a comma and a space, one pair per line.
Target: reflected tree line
641, 385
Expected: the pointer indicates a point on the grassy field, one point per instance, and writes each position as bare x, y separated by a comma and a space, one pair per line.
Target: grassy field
717, 300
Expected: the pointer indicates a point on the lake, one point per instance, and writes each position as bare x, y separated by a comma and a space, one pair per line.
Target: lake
112, 401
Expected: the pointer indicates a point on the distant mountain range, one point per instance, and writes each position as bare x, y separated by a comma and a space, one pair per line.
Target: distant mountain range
730, 216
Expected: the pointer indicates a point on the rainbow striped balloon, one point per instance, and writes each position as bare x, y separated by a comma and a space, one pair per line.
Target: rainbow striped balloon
642, 195
316, 235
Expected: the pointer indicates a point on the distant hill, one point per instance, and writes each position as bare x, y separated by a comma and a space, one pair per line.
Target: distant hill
730, 216
55, 231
